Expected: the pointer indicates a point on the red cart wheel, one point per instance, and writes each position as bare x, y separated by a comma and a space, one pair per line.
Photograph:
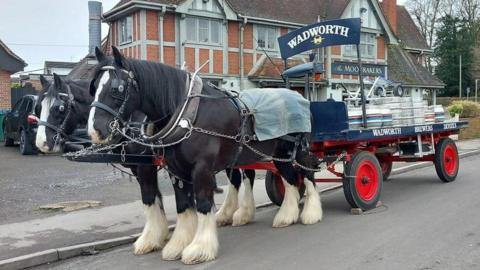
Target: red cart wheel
276, 189
386, 169
362, 181
446, 160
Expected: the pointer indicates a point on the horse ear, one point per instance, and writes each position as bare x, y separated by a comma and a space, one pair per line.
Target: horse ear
57, 80
99, 54
118, 57
45, 83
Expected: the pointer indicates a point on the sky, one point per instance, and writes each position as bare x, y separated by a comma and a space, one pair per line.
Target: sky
53, 30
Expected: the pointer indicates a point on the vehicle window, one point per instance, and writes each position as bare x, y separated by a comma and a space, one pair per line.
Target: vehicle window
17, 106
28, 105
24, 106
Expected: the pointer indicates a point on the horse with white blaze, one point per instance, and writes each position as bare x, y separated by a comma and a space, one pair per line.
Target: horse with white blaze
205, 131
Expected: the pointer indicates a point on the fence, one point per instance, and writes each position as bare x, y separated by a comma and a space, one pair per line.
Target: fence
18, 93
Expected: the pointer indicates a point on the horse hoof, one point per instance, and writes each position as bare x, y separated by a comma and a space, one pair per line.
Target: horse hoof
140, 249
281, 221
223, 219
242, 217
146, 244
309, 219
172, 251
196, 253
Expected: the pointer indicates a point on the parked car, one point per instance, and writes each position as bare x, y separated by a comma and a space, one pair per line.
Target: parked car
20, 125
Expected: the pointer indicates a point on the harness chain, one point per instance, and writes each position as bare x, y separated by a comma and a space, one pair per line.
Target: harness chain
240, 138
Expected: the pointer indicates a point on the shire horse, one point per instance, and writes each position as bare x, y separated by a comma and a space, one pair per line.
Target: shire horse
63, 106
121, 86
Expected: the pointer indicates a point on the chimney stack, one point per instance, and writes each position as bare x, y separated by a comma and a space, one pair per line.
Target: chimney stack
390, 9
94, 25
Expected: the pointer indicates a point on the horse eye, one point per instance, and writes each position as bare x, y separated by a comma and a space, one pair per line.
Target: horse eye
61, 108
120, 88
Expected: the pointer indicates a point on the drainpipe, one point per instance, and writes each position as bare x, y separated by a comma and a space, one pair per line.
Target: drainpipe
160, 33
242, 29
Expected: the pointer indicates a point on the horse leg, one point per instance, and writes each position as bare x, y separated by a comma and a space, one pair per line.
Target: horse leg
246, 212
186, 221
312, 208
156, 228
230, 205
289, 211
204, 246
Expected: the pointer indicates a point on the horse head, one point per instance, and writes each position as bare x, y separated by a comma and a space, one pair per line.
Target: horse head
115, 97
61, 104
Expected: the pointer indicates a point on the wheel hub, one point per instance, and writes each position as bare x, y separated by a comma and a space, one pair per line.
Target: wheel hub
365, 180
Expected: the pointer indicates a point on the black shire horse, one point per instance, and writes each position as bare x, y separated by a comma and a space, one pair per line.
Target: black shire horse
66, 103
54, 110
122, 86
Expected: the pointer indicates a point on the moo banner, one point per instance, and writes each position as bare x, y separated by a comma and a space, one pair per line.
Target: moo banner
322, 34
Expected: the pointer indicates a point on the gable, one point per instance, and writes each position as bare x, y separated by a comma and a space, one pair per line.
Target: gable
207, 8
369, 18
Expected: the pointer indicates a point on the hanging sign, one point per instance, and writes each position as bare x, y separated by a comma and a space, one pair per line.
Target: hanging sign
322, 34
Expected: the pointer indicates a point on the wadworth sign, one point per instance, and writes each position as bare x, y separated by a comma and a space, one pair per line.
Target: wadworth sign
322, 34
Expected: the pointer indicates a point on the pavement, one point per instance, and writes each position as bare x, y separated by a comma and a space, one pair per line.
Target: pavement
422, 224
57, 230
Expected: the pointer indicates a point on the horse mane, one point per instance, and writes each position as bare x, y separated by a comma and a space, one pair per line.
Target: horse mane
162, 84
79, 90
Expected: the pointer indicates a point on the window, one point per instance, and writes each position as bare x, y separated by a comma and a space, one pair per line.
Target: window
367, 47
204, 30
125, 30
266, 37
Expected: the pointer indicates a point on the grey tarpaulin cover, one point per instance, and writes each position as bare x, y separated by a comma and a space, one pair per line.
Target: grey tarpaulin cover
277, 111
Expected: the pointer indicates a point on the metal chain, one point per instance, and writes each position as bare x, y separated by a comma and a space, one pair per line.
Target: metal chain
95, 148
216, 134
323, 166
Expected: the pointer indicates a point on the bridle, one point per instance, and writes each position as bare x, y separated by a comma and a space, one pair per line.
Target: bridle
117, 91
60, 134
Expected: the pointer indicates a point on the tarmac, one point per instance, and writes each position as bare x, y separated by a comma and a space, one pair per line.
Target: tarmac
45, 240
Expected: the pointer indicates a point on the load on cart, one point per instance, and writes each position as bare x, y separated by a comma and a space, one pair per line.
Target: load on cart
372, 126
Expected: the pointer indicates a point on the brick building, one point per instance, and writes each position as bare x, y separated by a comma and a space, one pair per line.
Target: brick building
235, 34
10, 63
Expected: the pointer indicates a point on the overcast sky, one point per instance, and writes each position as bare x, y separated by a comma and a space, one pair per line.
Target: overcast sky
39, 30
54, 30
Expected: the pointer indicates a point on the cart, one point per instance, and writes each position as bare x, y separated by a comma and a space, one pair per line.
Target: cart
366, 153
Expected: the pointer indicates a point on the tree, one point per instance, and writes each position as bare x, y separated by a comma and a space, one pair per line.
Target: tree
453, 39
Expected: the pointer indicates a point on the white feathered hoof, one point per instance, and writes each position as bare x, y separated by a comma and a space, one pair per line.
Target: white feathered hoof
243, 216
199, 252
223, 219
204, 246
146, 244
289, 212
286, 218
155, 231
230, 205
182, 235
312, 209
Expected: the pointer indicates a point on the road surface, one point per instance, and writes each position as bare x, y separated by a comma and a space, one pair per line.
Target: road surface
423, 224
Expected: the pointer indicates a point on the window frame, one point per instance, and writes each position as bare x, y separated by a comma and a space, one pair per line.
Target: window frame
350, 51
211, 23
276, 33
128, 22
